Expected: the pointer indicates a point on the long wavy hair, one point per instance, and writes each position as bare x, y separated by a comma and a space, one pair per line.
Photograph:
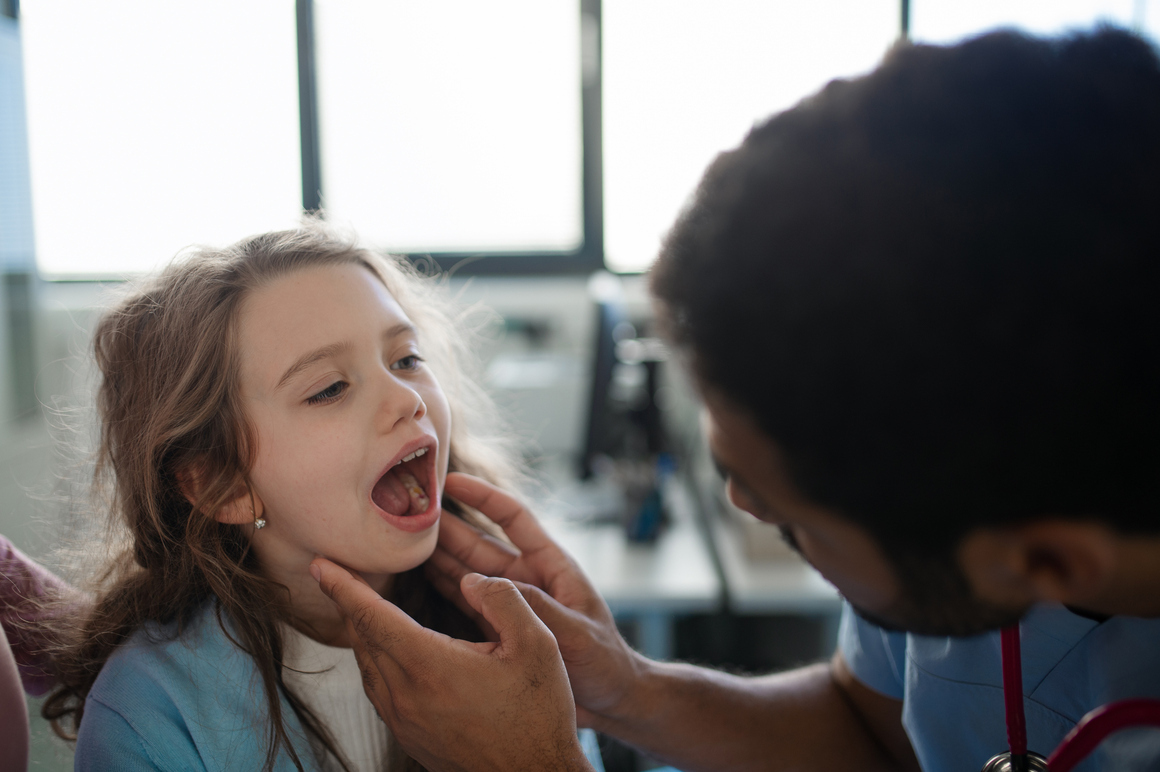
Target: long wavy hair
168, 403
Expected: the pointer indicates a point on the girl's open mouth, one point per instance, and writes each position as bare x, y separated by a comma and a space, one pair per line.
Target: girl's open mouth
406, 489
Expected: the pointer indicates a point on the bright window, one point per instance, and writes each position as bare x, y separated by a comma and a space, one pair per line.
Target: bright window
446, 125
686, 79
452, 125
944, 21
154, 125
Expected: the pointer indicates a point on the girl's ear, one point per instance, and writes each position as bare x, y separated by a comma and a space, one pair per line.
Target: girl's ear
243, 508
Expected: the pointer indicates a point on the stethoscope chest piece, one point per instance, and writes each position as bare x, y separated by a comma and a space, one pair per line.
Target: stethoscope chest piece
1003, 763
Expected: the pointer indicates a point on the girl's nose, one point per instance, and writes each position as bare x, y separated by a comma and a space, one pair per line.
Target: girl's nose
399, 403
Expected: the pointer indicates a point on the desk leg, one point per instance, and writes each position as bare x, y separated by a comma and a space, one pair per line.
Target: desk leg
654, 632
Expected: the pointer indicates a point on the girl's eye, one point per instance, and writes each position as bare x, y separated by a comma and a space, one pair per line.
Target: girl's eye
329, 394
411, 362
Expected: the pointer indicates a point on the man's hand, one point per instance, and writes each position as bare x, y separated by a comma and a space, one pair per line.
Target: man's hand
692, 718
454, 705
602, 668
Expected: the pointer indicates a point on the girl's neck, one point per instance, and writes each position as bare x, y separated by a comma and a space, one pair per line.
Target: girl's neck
315, 615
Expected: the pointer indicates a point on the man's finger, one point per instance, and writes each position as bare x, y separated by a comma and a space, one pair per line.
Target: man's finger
390, 637
447, 564
446, 583
475, 550
446, 561
558, 617
502, 509
541, 561
444, 571
377, 689
504, 607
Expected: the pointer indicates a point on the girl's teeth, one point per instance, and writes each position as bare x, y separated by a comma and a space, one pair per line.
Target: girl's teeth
413, 456
415, 491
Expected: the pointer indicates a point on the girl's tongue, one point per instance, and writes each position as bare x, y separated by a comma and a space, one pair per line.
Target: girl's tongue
400, 493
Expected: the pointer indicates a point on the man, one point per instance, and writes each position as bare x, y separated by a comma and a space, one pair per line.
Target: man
921, 309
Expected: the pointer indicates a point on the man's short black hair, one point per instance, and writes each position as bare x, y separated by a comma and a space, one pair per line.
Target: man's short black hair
935, 287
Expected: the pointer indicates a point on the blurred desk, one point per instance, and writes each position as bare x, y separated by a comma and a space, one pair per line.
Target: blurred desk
683, 572
778, 584
648, 584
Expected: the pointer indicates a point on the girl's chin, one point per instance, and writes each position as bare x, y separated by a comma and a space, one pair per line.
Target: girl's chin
374, 571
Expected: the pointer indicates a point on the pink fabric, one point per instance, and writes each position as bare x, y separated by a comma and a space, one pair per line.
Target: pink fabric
13, 713
23, 662
23, 582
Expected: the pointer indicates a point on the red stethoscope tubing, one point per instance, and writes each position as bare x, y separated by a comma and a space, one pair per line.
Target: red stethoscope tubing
1013, 690
1087, 734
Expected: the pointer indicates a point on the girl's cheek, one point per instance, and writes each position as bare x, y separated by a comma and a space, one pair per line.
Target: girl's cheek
444, 460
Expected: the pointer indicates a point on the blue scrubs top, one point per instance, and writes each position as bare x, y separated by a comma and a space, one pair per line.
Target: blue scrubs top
952, 688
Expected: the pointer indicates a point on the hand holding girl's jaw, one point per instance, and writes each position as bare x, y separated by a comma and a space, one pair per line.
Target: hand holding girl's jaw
606, 675
459, 699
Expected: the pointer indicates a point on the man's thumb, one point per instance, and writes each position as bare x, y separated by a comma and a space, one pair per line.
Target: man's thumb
502, 605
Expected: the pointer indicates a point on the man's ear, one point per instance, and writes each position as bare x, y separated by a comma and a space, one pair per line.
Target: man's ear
243, 508
1065, 561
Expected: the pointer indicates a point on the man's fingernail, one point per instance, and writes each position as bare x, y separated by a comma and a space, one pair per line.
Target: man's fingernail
316, 572
472, 579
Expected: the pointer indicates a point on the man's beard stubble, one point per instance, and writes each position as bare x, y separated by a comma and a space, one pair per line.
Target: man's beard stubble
936, 598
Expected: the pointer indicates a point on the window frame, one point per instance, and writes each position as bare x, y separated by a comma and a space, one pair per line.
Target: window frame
586, 258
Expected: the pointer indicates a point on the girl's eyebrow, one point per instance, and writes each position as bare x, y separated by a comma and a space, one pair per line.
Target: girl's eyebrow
334, 349
309, 358
402, 328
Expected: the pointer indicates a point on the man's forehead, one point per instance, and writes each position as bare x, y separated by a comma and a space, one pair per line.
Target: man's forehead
732, 432
720, 451
742, 451
719, 465
736, 452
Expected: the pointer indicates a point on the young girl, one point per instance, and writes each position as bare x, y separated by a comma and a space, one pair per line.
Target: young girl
261, 405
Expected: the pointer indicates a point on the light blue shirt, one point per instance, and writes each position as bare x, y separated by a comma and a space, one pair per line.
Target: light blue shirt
193, 702
952, 688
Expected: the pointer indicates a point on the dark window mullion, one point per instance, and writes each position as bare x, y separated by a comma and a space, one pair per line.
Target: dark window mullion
308, 108
592, 122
